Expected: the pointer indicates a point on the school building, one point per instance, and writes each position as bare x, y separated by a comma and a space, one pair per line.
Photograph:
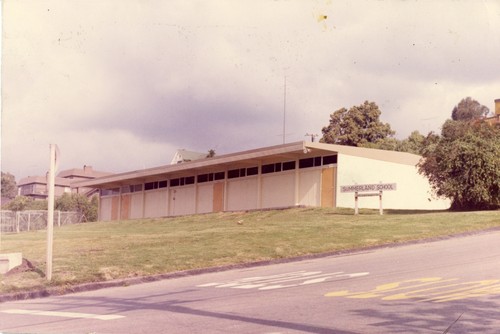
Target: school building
293, 174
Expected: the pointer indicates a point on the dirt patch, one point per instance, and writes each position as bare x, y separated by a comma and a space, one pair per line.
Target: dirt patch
23, 267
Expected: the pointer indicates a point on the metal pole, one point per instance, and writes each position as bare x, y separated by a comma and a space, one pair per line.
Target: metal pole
50, 213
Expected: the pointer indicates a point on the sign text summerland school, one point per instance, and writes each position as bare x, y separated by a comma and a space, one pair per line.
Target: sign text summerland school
368, 187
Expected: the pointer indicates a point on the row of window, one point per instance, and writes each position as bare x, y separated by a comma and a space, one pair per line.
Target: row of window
231, 174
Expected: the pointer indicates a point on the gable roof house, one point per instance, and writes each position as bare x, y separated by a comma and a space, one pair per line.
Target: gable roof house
183, 155
293, 174
36, 186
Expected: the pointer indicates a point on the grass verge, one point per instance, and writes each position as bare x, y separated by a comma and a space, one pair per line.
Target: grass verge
101, 251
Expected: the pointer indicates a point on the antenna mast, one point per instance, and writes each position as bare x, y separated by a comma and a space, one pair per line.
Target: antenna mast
284, 109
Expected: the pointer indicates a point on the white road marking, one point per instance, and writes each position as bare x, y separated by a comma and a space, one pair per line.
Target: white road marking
281, 281
65, 314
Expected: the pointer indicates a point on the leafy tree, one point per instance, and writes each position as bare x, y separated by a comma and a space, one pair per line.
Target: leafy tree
9, 186
211, 153
21, 203
463, 163
357, 126
388, 144
79, 203
468, 109
415, 143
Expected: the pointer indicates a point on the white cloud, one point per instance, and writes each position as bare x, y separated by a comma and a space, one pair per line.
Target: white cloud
118, 85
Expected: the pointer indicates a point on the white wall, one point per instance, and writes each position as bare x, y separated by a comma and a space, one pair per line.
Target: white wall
136, 205
182, 200
278, 189
413, 190
205, 197
155, 203
242, 194
310, 187
105, 208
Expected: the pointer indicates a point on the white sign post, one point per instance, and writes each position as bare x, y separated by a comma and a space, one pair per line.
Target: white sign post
367, 190
50, 212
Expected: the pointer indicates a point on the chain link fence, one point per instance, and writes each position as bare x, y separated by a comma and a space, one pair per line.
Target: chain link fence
32, 220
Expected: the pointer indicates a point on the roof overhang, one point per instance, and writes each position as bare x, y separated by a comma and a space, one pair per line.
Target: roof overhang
290, 151
214, 164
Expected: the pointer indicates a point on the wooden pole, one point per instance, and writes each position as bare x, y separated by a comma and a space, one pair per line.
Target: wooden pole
50, 214
356, 210
381, 208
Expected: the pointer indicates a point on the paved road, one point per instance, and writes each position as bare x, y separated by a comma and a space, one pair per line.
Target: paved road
451, 285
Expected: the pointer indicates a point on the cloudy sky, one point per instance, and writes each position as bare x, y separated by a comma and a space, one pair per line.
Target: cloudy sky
120, 85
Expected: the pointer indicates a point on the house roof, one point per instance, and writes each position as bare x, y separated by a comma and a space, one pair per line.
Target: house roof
87, 172
183, 155
263, 155
59, 181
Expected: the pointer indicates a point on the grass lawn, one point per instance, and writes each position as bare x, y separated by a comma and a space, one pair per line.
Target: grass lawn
102, 251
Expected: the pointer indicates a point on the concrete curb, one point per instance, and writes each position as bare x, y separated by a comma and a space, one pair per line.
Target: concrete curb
62, 290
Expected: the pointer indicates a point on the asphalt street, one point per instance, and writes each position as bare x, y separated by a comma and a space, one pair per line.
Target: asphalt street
448, 286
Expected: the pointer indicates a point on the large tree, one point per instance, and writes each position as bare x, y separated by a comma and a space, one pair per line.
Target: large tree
9, 187
468, 109
463, 163
357, 126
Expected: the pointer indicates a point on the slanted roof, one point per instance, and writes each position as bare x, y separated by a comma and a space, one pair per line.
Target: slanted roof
183, 155
263, 155
59, 181
87, 172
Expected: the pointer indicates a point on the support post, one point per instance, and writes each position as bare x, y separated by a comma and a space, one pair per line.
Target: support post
50, 213
380, 198
18, 219
356, 210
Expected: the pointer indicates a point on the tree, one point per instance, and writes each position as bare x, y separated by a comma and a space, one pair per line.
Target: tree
79, 203
21, 203
357, 126
211, 153
468, 109
415, 143
463, 163
9, 186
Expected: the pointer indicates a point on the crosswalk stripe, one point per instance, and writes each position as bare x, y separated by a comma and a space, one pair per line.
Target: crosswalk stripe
65, 314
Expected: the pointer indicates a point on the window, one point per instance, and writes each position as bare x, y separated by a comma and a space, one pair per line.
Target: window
252, 171
266, 169
110, 192
210, 177
189, 180
278, 167
125, 189
289, 165
162, 184
219, 176
317, 161
151, 185
242, 172
306, 163
234, 173
329, 159
181, 181
203, 178
310, 162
